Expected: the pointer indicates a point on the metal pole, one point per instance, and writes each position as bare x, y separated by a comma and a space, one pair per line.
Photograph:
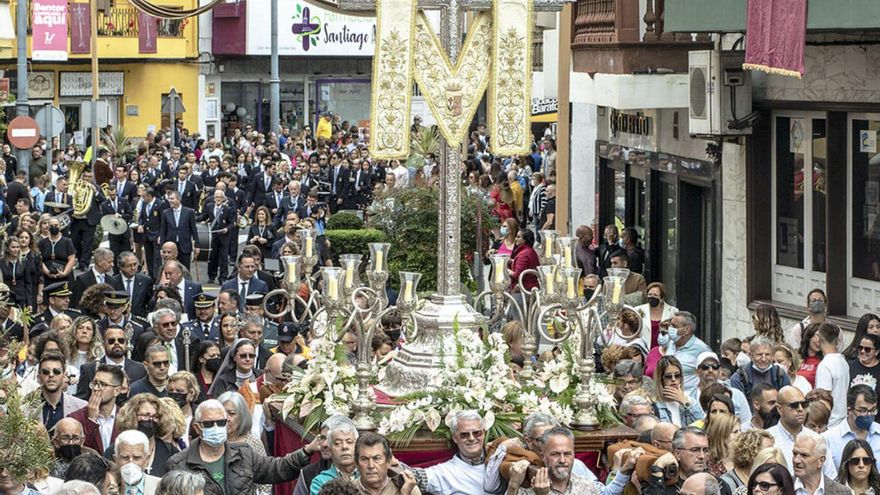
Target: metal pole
21, 100
48, 131
96, 135
274, 81
171, 103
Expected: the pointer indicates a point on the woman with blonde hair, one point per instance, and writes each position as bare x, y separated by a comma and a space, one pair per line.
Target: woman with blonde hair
791, 361
743, 450
766, 323
771, 455
177, 423
84, 344
183, 389
513, 333
145, 413
723, 429
62, 324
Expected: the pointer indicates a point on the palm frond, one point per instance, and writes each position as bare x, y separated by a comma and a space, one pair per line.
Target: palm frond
427, 141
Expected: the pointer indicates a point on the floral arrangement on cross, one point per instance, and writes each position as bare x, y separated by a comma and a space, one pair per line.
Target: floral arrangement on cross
474, 375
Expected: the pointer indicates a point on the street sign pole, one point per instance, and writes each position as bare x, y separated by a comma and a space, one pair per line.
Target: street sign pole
274, 80
21, 98
49, 136
96, 136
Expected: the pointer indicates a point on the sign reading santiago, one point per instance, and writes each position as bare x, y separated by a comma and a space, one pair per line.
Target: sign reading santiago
305, 29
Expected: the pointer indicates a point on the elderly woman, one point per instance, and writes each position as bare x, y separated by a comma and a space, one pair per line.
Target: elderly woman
237, 368
628, 377
181, 483
239, 427
144, 413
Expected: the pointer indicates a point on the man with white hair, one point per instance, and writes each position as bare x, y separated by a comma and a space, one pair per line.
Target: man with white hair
325, 461
809, 454
77, 487
341, 441
131, 453
464, 473
230, 468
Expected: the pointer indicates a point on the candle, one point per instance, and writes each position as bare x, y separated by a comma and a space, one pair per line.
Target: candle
349, 275
378, 266
499, 270
308, 247
333, 288
408, 291
548, 248
291, 272
549, 286
571, 292
615, 293
567, 256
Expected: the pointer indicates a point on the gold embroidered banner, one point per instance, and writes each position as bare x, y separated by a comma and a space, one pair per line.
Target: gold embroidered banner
453, 93
510, 93
407, 49
391, 100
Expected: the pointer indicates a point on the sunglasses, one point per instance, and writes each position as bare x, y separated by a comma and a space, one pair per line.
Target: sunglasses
120, 340
866, 349
798, 405
211, 424
672, 376
51, 371
476, 435
855, 461
161, 364
247, 356
765, 486
706, 367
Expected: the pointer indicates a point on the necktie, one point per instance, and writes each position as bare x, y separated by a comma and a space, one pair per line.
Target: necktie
120, 188
206, 330
278, 199
335, 176
171, 354
216, 214
115, 208
244, 288
182, 187
177, 217
100, 278
128, 287
57, 197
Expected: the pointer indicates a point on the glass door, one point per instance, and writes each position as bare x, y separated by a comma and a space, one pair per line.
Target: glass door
864, 214
799, 205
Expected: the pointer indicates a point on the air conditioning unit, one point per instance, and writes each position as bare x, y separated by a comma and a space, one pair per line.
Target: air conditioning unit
720, 94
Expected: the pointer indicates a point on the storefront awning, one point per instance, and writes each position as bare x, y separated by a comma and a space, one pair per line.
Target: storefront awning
546, 117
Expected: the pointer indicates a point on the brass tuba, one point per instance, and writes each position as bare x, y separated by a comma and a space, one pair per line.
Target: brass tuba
81, 192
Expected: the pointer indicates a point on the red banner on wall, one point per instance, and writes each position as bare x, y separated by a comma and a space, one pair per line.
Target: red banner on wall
147, 26
80, 28
776, 32
49, 30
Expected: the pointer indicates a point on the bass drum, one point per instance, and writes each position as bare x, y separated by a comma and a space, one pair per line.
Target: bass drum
204, 244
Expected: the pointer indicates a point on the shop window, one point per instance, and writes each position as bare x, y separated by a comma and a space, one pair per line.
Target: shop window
818, 190
865, 200
790, 145
668, 238
620, 199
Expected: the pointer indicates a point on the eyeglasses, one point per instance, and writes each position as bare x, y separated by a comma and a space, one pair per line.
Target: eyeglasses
672, 376
73, 439
147, 417
863, 348
211, 424
247, 356
765, 486
120, 340
798, 404
476, 435
161, 364
706, 367
855, 461
698, 450
865, 412
96, 385
51, 371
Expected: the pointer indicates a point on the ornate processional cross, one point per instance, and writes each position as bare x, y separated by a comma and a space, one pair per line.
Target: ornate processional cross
449, 232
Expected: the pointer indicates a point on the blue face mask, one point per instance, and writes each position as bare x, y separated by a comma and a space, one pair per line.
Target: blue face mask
673, 334
504, 231
663, 339
864, 422
214, 436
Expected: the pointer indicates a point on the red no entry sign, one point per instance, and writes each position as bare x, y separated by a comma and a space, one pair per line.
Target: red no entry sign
23, 132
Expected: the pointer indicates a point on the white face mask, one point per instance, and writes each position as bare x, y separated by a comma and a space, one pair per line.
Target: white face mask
131, 473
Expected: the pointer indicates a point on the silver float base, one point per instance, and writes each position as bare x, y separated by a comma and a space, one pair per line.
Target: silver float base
418, 362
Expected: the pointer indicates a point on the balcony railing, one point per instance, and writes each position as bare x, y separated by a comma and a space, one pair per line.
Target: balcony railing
613, 22
121, 22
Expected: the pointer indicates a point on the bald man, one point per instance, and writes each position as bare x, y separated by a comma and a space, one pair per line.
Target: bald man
67, 440
792, 408
700, 484
661, 436
585, 254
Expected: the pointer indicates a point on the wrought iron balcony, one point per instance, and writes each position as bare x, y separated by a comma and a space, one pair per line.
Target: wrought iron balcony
121, 22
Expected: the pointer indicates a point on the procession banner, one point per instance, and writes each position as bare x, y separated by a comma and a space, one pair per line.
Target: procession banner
391, 100
776, 33
147, 27
80, 28
49, 30
510, 93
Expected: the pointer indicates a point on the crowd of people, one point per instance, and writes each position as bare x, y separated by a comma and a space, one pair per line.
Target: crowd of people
151, 382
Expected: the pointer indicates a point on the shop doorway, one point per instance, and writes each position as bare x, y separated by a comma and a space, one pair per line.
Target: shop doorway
694, 251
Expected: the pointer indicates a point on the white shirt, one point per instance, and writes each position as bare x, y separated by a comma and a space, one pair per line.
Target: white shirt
105, 427
401, 176
99, 277
833, 374
784, 441
456, 477
799, 488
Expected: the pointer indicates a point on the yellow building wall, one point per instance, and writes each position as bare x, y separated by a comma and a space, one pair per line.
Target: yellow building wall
145, 83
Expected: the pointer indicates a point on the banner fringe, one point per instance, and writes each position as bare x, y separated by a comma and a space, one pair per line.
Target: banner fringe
773, 70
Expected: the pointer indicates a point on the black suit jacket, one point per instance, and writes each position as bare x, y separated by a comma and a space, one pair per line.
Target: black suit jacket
273, 204
129, 190
225, 220
83, 282
190, 289
259, 190
341, 179
65, 198
123, 207
153, 222
133, 370
142, 291
183, 233
190, 196
239, 198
